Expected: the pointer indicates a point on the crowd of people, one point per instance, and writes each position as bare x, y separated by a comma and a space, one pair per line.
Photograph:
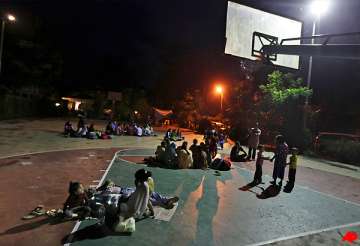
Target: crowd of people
215, 138
115, 206
112, 128
197, 156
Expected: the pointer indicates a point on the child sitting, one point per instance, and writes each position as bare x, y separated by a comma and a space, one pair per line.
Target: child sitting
259, 162
76, 203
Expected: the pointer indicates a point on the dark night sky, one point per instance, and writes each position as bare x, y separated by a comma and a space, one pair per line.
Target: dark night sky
120, 43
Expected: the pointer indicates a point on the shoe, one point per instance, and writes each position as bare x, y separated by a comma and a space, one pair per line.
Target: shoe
174, 199
280, 183
273, 182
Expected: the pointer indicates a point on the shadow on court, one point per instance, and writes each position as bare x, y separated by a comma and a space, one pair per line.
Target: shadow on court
270, 191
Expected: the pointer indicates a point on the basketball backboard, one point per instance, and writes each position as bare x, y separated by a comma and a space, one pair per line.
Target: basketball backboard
243, 22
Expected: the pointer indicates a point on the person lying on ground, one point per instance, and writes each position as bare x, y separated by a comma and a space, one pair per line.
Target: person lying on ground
110, 189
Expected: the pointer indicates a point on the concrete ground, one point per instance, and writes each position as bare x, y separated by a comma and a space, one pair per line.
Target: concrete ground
323, 206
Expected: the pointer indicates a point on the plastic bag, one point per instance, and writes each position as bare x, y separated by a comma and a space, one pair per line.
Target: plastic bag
127, 225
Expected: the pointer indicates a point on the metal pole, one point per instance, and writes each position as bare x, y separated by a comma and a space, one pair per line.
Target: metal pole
310, 64
308, 82
2, 41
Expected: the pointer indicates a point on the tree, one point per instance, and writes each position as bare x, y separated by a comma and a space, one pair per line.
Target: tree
281, 108
281, 88
188, 109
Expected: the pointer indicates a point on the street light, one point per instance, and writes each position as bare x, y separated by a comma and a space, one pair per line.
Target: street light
219, 90
9, 18
317, 8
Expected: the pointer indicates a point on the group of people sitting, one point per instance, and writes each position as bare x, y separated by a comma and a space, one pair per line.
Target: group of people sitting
197, 156
131, 129
112, 128
115, 206
174, 135
84, 131
217, 138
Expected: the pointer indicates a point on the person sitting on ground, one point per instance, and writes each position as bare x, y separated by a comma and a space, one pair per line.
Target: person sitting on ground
184, 157
147, 130
91, 134
203, 160
171, 156
168, 134
221, 140
68, 129
81, 123
138, 202
109, 129
152, 133
160, 153
213, 147
237, 153
196, 152
119, 130
173, 135
139, 131
194, 145
82, 132
114, 126
76, 203
178, 134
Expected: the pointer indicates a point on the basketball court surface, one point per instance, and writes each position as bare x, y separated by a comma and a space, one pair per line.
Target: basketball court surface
214, 211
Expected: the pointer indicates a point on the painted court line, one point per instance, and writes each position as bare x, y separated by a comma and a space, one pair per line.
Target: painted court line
305, 234
59, 150
121, 159
77, 225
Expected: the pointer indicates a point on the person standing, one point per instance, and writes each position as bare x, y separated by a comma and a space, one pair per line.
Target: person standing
259, 163
253, 142
280, 156
292, 170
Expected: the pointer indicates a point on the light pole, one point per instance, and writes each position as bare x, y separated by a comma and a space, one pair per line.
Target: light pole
318, 8
10, 18
219, 90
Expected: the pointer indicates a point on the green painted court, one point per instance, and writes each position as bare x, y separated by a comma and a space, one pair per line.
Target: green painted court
213, 211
